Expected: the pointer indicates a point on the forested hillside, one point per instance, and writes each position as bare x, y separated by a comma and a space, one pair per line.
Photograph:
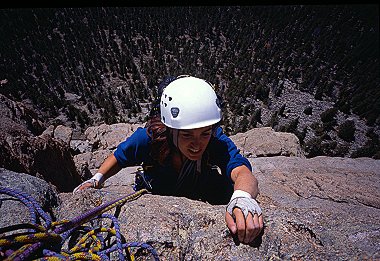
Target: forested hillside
310, 70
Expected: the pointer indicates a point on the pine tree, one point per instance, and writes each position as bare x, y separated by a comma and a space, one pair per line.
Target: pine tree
346, 131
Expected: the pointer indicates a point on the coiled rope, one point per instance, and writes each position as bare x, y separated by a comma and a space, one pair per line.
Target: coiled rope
44, 239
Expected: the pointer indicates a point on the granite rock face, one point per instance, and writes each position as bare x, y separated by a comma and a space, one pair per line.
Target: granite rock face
325, 208
314, 209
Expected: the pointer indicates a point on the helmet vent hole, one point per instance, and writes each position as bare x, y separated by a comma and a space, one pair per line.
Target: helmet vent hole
163, 119
165, 104
170, 98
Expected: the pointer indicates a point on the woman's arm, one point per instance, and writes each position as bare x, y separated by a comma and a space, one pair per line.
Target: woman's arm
244, 180
109, 167
245, 186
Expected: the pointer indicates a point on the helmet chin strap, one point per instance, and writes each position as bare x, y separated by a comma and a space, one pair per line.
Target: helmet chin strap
175, 137
175, 133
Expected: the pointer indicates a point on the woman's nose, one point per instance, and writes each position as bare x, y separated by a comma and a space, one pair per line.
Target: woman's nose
196, 142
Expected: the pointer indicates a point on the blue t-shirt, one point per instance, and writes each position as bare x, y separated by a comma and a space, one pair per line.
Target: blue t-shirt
135, 150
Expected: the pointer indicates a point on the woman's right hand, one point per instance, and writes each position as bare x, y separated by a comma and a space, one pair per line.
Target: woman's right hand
85, 185
95, 182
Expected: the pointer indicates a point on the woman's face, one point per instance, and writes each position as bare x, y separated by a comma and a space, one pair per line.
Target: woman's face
192, 143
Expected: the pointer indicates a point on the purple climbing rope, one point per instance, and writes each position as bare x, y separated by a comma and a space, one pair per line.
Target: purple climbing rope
20, 248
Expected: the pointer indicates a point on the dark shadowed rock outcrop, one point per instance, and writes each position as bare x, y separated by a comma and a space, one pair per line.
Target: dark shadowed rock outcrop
40, 156
22, 151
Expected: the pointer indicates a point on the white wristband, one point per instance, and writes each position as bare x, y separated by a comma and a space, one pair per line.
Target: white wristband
240, 194
99, 177
244, 201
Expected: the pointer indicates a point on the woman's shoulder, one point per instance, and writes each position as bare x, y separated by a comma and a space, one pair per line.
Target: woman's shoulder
140, 131
138, 137
140, 134
219, 135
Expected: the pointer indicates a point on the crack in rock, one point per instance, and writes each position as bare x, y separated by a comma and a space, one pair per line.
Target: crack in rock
306, 230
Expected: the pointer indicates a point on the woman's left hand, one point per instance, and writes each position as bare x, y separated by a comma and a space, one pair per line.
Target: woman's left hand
247, 229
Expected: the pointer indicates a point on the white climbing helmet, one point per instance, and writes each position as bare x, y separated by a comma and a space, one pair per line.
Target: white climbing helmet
188, 103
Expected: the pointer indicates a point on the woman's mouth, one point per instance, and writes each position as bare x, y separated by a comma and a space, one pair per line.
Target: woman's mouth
194, 151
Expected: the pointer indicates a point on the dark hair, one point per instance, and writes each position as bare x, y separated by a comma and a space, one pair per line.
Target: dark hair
161, 146
156, 130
